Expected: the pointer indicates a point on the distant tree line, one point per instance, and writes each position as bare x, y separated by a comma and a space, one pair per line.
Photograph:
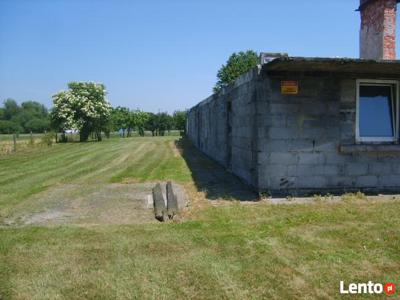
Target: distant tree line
30, 116
127, 121
85, 109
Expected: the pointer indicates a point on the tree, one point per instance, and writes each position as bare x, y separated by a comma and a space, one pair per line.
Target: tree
131, 122
34, 117
237, 64
164, 123
159, 123
179, 119
120, 117
37, 125
141, 120
83, 107
31, 116
9, 127
11, 109
35, 109
152, 123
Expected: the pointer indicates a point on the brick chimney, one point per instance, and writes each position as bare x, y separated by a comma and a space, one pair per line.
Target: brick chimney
378, 29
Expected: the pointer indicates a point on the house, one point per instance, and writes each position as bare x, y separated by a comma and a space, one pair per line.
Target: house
296, 125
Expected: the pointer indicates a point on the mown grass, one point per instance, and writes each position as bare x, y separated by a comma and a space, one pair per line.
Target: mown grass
232, 251
114, 160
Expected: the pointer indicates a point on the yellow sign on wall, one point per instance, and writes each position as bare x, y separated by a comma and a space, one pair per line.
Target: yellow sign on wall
289, 87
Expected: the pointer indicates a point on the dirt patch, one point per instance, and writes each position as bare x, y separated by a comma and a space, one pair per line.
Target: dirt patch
87, 204
44, 217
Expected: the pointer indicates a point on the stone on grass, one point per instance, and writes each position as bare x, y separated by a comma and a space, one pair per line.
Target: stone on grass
172, 204
159, 203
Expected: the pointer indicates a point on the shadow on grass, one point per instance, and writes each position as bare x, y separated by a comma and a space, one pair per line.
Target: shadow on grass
212, 178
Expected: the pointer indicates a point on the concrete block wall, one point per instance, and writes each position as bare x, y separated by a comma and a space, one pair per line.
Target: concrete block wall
290, 144
207, 128
243, 135
222, 127
299, 138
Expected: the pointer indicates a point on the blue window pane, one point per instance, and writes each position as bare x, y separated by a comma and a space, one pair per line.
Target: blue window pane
376, 111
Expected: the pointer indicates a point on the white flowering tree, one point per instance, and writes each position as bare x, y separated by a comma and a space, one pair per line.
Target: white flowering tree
83, 107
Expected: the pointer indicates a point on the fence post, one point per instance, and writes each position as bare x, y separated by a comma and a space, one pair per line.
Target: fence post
15, 142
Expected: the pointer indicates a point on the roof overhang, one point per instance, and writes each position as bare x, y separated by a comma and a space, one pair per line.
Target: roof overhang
332, 65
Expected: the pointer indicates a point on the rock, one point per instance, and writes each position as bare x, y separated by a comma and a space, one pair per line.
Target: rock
172, 204
159, 203
180, 195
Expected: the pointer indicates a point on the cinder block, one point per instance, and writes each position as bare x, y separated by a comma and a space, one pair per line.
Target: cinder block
281, 183
330, 170
263, 159
332, 133
326, 146
396, 168
282, 133
380, 168
302, 170
367, 181
273, 145
283, 158
311, 133
272, 170
311, 158
311, 182
348, 91
263, 132
333, 107
286, 108
389, 180
310, 169
347, 129
336, 158
316, 108
300, 145
278, 120
356, 169
341, 181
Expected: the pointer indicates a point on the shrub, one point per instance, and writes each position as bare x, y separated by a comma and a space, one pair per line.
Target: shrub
48, 138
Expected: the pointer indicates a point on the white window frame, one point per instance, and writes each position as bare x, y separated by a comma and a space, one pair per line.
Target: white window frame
395, 110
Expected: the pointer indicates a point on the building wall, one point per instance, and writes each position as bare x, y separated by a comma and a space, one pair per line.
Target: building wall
207, 128
300, 137
291, 144
223, 127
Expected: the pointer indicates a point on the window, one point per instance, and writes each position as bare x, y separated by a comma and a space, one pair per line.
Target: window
377, 111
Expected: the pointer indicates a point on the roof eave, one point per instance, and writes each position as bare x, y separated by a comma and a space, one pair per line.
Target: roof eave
332, 65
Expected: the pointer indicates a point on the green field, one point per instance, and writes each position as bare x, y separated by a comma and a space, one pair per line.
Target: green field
218, 249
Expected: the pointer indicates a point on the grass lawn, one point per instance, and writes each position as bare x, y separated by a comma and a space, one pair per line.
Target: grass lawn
228, 251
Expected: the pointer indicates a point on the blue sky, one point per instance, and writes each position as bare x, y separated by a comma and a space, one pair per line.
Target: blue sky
157, 55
